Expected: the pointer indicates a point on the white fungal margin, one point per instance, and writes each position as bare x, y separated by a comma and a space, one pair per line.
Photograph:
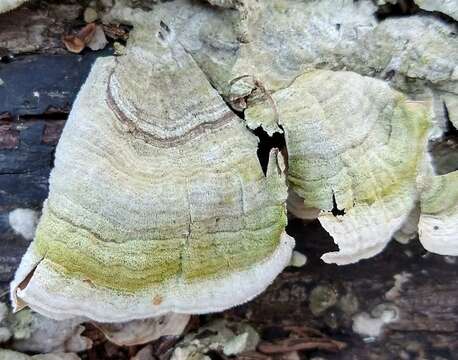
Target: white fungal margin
37, 285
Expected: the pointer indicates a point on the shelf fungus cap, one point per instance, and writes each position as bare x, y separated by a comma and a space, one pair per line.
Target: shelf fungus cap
438, 225
157, 202
355, 147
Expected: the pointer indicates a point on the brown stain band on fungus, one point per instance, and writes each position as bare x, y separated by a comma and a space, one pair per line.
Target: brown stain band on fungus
158, 141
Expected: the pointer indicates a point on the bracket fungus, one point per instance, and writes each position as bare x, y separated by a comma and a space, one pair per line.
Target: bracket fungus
157, 201
355, 148
438, 224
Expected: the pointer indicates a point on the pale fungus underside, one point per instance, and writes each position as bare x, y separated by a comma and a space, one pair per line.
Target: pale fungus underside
158, 202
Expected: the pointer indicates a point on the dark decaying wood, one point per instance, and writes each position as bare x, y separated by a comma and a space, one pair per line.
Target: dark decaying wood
311, 309
35, 97
426, 303
42, 84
